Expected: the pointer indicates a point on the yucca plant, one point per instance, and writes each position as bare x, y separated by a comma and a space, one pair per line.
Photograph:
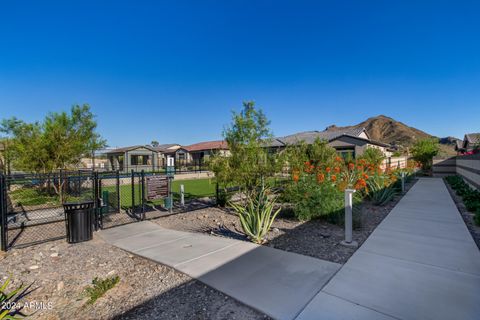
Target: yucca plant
257, 215
10, 301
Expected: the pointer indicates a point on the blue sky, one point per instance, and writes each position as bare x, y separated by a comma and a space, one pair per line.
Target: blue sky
173, 71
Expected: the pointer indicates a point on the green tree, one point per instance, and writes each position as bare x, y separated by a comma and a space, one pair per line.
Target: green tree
424, 150
57, 143
155, 143
6, 129
373, 156
249, 162
319, 153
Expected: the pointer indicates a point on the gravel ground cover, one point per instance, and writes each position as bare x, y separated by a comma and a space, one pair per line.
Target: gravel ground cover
316, 238
61, 271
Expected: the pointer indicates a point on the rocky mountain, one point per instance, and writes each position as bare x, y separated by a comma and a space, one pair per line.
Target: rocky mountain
389, 130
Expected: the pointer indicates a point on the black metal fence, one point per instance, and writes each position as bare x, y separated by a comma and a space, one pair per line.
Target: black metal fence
31, 205
181, 166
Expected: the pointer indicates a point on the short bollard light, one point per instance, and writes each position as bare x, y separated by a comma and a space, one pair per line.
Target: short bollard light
182, 194
349, 219
403, 182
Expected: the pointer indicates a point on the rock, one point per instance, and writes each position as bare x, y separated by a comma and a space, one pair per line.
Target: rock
54, 255
60, 286
111, 273
276, 230
35, 267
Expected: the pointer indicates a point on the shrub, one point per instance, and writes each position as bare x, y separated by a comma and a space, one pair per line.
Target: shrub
373, 156
99, 287
470, 197
257, 216
477, 217
424, 150
314, 200
318, 190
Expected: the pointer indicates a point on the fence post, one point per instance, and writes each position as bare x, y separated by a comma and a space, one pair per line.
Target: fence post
182, 195
96, 199
3, 213
133, 191
143, 194
118, 190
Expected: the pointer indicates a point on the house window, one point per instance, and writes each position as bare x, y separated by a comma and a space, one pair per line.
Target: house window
140, 160
346, 153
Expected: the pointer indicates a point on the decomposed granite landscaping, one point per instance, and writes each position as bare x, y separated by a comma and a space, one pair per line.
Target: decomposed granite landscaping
60, 272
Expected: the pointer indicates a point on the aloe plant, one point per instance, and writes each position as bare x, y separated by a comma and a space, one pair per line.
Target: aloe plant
257, 215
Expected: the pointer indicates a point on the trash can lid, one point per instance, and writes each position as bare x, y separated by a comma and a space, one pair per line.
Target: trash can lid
77, 203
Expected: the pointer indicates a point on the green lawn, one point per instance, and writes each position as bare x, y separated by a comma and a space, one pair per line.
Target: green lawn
195, 188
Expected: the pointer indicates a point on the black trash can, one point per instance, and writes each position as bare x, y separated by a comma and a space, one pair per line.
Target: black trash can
79, 221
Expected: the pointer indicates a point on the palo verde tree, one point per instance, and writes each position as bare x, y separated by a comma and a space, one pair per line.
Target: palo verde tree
424, 150
56, 143
249, 162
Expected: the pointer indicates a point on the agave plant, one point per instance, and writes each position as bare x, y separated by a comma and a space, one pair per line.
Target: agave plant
257, 215
10, 301
380, 192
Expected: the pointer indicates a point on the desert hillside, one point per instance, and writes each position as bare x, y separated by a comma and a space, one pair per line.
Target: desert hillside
386, 129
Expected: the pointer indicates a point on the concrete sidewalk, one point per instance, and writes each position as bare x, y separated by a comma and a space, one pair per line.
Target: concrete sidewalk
275, 282
420, 263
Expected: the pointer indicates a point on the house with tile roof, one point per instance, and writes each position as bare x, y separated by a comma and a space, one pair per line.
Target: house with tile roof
199, 152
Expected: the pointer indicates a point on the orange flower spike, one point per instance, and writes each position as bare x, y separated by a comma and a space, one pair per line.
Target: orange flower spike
334, 178
336, 169
338, 159
320, 177
365, 176
328, 169
351, 166
296, 177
